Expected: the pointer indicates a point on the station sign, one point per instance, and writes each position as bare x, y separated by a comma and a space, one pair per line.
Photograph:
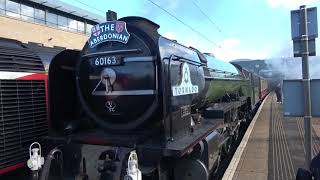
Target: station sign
312, 22
297, 47
293, 98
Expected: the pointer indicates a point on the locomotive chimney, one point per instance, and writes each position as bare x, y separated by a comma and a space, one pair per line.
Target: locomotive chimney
111, 15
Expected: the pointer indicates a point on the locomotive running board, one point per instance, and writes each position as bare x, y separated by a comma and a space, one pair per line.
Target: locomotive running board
218, 110
181, 146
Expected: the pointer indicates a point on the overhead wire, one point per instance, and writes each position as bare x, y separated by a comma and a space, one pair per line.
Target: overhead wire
208, 17
185, 24
176, 18
191, 28
210, 20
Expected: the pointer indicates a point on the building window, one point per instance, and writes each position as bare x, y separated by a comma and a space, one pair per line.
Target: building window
62, 22
13, 9
80, 26
42, 16
27, 13
88, 30
39, 16
2, 6
52, 19
72, 25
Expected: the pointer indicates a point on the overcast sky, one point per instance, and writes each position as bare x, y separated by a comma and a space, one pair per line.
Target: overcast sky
255, 29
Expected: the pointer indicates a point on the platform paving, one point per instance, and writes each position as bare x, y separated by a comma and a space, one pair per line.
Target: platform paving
272, 148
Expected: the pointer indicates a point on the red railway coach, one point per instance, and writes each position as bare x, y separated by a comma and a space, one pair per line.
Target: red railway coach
23, 102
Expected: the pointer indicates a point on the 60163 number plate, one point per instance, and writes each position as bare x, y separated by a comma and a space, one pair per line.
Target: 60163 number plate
107, 61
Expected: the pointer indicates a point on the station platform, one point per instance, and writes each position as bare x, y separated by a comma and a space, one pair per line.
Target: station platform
273, 146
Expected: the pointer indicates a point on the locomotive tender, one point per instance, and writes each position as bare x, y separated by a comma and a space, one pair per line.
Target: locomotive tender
130, 89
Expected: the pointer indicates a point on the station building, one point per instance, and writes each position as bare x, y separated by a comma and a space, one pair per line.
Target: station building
47, 22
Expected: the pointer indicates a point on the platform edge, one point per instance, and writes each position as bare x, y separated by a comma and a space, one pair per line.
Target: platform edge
230, 171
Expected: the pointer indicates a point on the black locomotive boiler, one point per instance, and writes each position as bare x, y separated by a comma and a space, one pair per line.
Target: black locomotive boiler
132, 90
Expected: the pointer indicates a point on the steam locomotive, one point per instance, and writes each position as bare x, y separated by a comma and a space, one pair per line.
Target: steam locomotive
135, 105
